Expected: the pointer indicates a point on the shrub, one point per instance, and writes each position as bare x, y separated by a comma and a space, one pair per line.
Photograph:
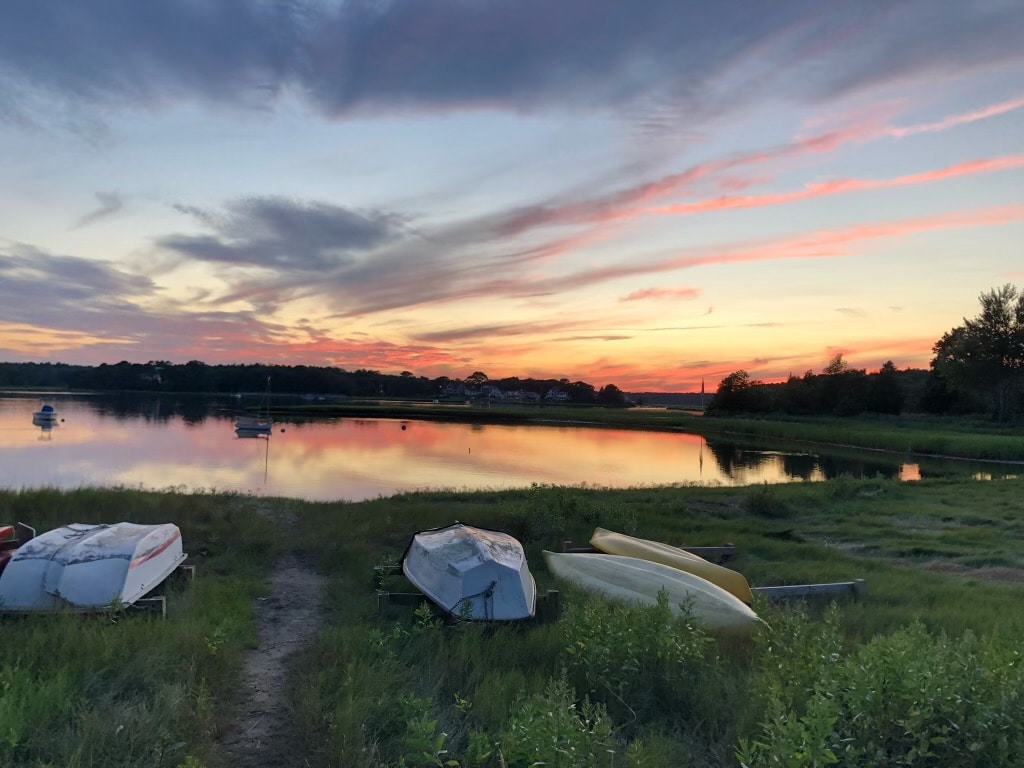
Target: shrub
907, 699
641, 661
764, 502
550, 729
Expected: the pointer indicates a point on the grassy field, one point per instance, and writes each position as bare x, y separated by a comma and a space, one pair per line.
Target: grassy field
925, 671
911, 434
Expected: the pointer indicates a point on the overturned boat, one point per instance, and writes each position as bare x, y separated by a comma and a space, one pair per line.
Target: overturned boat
613, 543
472, 573
633, 580
82, 568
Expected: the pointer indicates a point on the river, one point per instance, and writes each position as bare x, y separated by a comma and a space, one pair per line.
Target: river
189, 443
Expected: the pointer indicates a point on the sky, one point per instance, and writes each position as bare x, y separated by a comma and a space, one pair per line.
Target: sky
651, 194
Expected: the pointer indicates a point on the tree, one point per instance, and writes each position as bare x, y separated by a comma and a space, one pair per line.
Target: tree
885, 395
476, 378
987, 351
609, 394
836, 365
735, 393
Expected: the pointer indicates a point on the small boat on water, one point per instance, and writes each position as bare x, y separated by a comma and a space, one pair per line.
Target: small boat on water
612, 543
46, 413
630, 579
247, 425
252, 426
84, 568
472, 573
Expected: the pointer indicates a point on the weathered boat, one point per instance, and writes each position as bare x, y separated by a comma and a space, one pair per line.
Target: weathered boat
82, 567
613, 543
630, 579
472, 573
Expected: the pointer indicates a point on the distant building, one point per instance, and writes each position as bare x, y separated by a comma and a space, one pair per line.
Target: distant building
491, 392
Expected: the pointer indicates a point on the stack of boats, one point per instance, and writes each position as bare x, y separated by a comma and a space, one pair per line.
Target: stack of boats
628, 569
477, 574
84, 567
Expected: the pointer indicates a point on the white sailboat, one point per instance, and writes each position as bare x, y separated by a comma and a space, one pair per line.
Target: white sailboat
259, 425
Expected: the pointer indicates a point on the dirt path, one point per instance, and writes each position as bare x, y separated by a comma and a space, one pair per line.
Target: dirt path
262, 733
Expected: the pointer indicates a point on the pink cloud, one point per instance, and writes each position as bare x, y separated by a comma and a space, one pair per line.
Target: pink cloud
839, 186
951, 121
663, 293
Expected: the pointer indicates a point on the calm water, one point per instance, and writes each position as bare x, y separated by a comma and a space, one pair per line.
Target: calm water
190, 443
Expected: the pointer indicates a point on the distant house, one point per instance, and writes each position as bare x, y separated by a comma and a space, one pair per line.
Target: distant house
454, 389
492, 392
523, 395
556, 395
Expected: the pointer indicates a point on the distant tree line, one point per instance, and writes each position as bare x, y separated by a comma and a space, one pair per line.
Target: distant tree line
978, 367
198, 377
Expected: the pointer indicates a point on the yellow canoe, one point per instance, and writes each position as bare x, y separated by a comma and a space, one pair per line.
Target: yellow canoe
630, 579
613, 543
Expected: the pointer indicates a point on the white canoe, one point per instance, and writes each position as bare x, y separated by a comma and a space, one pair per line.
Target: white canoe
472, 573
613, 543
630, 579
81, 567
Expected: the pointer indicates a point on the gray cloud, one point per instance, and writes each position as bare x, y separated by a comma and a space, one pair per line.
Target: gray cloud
109, 204
653, 59
40, 288
68, 295
281, 234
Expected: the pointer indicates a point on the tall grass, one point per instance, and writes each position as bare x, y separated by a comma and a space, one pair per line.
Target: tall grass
925, 671
627, 685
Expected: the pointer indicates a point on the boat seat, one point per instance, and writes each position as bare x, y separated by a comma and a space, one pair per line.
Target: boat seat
6, 532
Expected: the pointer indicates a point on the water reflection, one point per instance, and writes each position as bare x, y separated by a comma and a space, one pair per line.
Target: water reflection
160, 442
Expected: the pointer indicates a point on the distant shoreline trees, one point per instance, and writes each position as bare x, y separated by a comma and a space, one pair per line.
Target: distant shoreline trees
978, 366
198, 377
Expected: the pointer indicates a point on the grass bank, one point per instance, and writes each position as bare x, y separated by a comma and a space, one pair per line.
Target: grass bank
911, 435
925, 671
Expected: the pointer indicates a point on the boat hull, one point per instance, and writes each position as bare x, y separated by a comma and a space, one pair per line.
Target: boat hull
612, 543
85, 568
472, 573
630, 579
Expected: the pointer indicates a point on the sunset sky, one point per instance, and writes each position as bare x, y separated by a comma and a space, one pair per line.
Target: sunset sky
645, 193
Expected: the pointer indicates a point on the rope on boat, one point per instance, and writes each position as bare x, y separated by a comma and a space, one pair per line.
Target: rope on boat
486, 594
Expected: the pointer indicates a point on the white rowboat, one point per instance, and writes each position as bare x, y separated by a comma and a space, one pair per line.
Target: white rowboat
472, 573
83, 568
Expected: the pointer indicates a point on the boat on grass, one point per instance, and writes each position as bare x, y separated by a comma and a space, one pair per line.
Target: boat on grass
613, 543
472, 573
630, 579
86, 567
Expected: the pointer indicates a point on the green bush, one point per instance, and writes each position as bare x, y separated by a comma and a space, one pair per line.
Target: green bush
907, 699
550, 729
641, 661
765, 502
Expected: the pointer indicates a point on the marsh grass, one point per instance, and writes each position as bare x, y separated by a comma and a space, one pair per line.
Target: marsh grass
621, 685
604, 685
908, 434
919, 435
